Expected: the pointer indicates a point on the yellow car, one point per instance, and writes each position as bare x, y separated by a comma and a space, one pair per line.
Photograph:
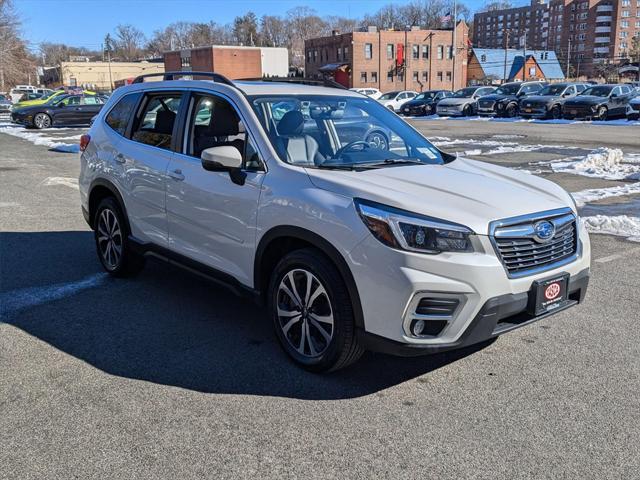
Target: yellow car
45, 98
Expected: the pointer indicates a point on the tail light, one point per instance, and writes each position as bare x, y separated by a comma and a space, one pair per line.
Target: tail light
84, 141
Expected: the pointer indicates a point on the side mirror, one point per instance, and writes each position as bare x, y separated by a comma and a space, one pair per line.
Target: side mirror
224, 159
613, 95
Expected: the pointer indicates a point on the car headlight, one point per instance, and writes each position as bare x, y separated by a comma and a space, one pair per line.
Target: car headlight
500, 106
413, 232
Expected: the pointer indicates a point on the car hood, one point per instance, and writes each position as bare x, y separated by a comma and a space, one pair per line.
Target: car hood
464, 191
497, 98
415, 103
586, 100
454, 102
30, 103
540, 98
28, 109
635, 101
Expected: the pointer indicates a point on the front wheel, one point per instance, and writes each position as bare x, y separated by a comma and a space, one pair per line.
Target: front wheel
556, 112
312, 313
511, 111
603, 113
467, 111
378, 140
42, 120
112, 243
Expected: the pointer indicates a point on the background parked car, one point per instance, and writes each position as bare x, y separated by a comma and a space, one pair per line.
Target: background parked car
463, 102
599, 102
425, 103
5, 104
633, 109
51, 94
394, 100
62, 110
369, 92
548, 103
504, 102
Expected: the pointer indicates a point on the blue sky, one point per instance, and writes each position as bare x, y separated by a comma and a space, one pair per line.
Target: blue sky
86, 22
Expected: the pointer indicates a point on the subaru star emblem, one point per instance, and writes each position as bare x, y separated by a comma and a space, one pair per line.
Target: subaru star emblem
544, 231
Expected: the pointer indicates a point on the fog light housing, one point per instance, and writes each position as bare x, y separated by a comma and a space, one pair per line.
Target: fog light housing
418, 327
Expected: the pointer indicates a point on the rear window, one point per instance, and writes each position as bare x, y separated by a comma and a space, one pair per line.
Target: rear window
118, 117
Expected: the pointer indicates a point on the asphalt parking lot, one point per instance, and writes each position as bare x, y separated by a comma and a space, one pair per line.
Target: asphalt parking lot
168, 376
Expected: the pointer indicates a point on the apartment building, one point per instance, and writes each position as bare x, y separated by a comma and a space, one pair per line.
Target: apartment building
583, 33
390, 60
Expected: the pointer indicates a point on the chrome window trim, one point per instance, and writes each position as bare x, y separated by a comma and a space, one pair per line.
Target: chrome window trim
557, 215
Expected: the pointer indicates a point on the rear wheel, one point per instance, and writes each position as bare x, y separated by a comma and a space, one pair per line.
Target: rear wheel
467, 111
42, 120
112, 243
311, 312
378, 140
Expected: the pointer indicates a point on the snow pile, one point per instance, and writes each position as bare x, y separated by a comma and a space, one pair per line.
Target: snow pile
621, 225
591, 195
607, 163
66, 181
54, 143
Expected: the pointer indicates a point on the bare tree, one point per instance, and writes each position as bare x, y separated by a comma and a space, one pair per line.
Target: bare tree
15, 62
128, 43
303, 23
273, 31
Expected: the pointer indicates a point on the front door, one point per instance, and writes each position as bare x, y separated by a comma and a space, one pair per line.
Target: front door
67, 112
212, 219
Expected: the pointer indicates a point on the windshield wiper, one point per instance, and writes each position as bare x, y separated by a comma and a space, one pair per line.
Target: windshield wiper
392, 161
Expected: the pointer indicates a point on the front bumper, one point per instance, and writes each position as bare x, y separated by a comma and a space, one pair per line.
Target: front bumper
486, 112
389, 281
534, 111
26, 120
449, 111
417, 111
632, 113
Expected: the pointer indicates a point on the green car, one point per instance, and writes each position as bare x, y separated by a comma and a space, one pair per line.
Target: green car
45, 98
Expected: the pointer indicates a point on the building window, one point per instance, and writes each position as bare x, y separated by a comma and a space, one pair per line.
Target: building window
625, 13
450, 52
401, 77
374, 77
185, 61
389, 76
440, 52
439, 75
363, 77
425, 75
338, 53
390, 53
425, 51
415, 76
532, 71
345, 53
449, 76
483, 58
368, 51
415, 50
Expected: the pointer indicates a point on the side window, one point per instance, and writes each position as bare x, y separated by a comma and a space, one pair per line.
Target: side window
71, 101
90, 101
215, 122
616, 91
155, 123
118, 117
581, 88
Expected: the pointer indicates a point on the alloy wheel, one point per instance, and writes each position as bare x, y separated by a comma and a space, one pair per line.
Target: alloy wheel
110, 239
42, 120
377, 140
602, 113
304, 312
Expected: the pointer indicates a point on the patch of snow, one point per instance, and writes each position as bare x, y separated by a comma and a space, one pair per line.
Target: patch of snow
66, 181
621, 225
607, 163
591, 195
472, 152
41, 138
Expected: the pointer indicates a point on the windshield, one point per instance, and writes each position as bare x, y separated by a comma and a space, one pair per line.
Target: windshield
426, 96
340, 132
388, 96
465, 93
597, 91
508, 89
552, 90
48, 96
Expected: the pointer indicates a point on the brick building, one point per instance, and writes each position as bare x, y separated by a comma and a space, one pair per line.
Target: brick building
583, 33
391, 60
231, 61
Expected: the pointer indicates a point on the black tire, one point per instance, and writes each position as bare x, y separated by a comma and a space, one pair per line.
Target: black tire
467, 111
119, 263
332, 354
511, 111
603, 113
556, 112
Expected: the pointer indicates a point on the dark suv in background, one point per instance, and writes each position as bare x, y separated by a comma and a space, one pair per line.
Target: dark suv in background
548, 103
599, 102
504, 102
425, 103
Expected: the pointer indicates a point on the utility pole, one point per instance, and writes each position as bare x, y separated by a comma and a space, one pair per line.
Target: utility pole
506, 49
524, 57
454, 46
569, 58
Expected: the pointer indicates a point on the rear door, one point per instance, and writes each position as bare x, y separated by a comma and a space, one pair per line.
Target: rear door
90, 105
144, 157
211, 219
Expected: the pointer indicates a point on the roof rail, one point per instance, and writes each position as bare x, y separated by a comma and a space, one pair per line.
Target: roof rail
216, 77
301, 81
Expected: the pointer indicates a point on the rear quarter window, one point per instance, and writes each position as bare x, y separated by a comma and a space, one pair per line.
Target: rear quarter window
119, 116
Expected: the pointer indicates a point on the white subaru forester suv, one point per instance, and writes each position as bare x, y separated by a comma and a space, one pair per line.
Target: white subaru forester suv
287, 192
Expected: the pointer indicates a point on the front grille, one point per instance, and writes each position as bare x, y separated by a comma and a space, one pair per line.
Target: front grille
486, 104
522, 253
580, 111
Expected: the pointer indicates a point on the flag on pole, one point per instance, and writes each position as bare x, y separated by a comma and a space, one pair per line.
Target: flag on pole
446, 18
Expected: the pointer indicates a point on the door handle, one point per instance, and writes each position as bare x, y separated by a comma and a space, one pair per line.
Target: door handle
120, 158
176, 174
